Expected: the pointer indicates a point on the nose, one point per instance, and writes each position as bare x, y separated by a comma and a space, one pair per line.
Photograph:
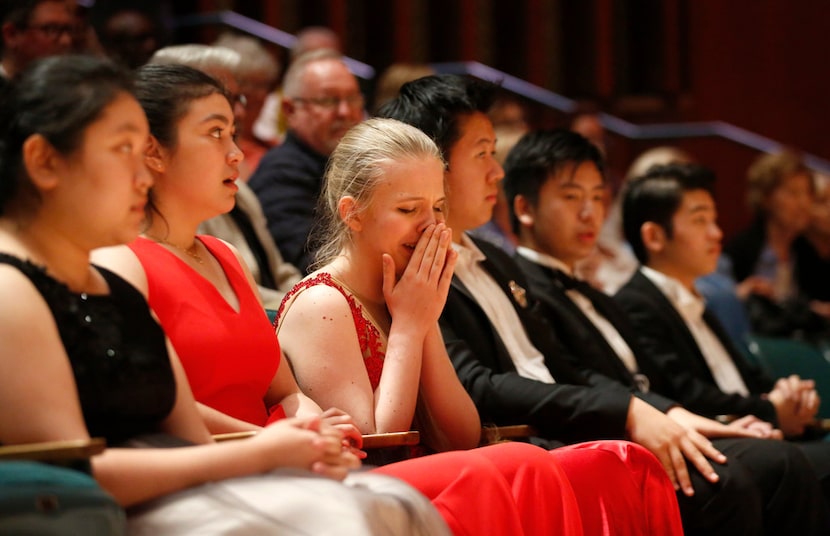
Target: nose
344, 109
716, 232
496, 171
588, 209
430, 219
235, 155
143, 178
65, 41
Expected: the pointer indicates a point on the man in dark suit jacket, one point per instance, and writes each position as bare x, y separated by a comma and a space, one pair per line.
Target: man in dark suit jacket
321, 101
514, 368
669, 219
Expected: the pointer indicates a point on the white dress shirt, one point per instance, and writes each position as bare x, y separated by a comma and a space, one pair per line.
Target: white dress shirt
528, 360
691, 309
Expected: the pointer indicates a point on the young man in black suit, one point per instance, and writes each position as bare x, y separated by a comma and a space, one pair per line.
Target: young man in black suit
669, 218
556, 190
516, 371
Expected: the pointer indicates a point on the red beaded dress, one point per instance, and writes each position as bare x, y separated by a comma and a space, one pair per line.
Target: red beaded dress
231, 356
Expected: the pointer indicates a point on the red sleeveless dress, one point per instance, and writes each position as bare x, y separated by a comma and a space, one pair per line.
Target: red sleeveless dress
620, 487
231, 356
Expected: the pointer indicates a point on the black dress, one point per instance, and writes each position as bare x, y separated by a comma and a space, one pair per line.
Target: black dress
117, 350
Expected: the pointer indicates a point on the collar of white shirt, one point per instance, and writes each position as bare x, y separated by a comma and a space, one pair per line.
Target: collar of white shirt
690, 305
544, 259
468, 253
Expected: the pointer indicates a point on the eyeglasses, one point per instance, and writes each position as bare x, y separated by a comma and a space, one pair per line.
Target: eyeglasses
53, 30
331, 103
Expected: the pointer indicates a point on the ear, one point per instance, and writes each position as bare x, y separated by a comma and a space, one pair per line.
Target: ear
347, 209
42, 162
654, 237
288, 106
9, 31
154, 155
524, 211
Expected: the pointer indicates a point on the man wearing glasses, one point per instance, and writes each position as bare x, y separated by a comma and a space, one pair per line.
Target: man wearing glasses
33, 29
321, 101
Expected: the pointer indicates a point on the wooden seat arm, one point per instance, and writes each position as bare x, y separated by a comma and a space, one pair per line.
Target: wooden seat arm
391, 439
70, 449
370, 441
496, 434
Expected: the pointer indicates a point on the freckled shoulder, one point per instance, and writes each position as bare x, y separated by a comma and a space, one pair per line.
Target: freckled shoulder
314, 307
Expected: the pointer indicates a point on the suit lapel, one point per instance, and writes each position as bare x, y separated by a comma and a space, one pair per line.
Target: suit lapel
666, 309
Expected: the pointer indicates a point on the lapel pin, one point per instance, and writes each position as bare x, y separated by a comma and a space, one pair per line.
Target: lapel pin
519, 294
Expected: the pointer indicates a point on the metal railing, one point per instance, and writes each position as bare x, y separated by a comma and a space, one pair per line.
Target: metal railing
264, 32
622, 127
657, 131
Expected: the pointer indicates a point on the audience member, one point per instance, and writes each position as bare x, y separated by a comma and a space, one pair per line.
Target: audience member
613, 263
271, 126
393, 77
556, 179
33, 29
199, 290
507, 357
257, 73
321, 100
765, 257
387, 254
815, 252
129, 32
82, 355
589, 125
244, 226
669, 217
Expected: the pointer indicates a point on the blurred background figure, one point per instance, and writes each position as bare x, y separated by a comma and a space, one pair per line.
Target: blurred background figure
813, 275
129, 33
770, 260
321, 102
780, 195
590, 127
257, 74
272, 125
396, 75
614, 263
314, 38
33, 29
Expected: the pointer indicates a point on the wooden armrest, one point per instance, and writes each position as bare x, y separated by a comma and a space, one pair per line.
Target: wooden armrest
370, 441
495, 434
70, 449
391, 439
233, 435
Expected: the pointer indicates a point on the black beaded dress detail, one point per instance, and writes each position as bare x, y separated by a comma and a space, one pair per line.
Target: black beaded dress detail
117, 350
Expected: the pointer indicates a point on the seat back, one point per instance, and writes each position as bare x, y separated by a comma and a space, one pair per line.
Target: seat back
781, 357
36, 498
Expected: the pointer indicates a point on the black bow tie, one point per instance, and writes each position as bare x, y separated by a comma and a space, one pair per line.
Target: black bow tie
568, 282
